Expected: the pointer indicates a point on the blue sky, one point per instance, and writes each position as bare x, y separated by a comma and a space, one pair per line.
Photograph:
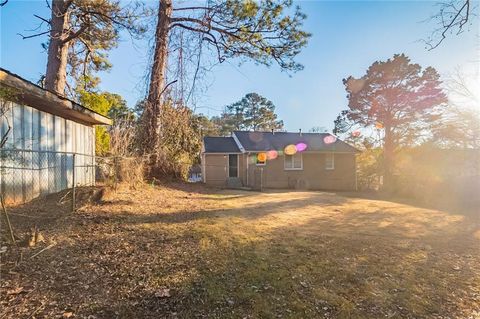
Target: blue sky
346, 38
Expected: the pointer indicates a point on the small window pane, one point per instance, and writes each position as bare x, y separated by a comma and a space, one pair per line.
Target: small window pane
330, 161
297, 161
293, 161
288, 161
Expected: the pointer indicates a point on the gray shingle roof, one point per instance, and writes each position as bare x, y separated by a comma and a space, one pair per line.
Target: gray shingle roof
220, 145
264, 141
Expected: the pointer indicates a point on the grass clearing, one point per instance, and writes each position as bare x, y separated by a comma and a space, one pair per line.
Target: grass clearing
238, 254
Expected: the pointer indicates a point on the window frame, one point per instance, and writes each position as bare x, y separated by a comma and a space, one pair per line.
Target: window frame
293, 168
332, 167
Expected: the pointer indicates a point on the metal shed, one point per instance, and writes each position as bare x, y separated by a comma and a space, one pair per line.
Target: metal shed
50, 145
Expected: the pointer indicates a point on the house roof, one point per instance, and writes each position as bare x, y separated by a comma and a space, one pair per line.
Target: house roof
265, 141
50, 102
214, 144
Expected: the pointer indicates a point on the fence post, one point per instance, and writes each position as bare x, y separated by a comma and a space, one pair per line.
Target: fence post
7, 219
115, 171
73, 186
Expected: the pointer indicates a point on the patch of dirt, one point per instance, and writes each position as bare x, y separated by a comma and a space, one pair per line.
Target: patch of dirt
187, 251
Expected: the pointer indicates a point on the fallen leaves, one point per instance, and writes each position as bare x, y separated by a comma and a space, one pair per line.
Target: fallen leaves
14, 291
169, 252
163, 293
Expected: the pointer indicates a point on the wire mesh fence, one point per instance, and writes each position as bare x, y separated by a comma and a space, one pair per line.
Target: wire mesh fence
27, 174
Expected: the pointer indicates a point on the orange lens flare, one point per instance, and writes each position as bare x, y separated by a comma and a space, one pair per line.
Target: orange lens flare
290, 149
262, 157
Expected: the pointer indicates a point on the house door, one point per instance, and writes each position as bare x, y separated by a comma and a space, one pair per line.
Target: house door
233, 165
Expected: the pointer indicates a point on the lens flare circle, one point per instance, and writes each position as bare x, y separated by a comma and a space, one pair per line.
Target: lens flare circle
301, 147
330, 139
356, 133
290, 149
255, 136
271, 155
262, 157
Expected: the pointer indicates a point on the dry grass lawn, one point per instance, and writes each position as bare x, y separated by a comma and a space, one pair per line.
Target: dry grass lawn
181, 251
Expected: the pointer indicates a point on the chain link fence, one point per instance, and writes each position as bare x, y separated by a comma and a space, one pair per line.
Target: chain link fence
27, 174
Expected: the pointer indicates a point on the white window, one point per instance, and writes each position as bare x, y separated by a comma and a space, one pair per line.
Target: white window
293, 162
329, 161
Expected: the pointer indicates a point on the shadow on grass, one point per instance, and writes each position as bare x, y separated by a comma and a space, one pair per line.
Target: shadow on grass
325, 257
446, 203
249, 211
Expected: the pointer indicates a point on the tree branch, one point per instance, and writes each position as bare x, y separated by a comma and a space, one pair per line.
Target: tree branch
75, 34
453, 22
43, 19
33, 36
191, 8
166, 86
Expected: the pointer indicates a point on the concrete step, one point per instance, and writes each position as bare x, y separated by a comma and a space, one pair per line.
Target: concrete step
234, 182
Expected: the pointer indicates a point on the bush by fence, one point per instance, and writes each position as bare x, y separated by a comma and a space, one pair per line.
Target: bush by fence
27, 174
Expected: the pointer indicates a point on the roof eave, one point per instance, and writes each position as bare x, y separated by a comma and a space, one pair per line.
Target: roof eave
43, 100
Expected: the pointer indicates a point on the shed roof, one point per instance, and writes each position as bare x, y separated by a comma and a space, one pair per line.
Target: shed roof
50, 102
265, 141
215, 144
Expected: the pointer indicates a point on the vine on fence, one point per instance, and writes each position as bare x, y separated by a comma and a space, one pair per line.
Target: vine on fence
7, 95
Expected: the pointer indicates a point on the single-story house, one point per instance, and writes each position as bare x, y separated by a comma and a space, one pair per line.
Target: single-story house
50, 140
279, 160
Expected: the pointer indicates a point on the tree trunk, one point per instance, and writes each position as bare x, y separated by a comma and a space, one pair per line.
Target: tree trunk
151, 114
388, 158
56, 75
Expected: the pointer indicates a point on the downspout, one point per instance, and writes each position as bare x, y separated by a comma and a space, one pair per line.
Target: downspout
204, 173
247, 168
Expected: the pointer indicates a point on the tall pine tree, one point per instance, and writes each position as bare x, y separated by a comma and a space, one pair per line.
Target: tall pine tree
263, 31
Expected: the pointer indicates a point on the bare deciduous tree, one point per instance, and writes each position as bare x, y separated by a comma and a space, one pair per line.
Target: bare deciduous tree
453, 17
460, 124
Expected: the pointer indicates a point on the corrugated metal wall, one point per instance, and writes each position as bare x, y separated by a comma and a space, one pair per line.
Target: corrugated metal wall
38, 156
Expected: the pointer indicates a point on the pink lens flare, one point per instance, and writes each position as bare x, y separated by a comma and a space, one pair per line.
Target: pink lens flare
356, 133
271, 155
255, 136
301, 147
330, 139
